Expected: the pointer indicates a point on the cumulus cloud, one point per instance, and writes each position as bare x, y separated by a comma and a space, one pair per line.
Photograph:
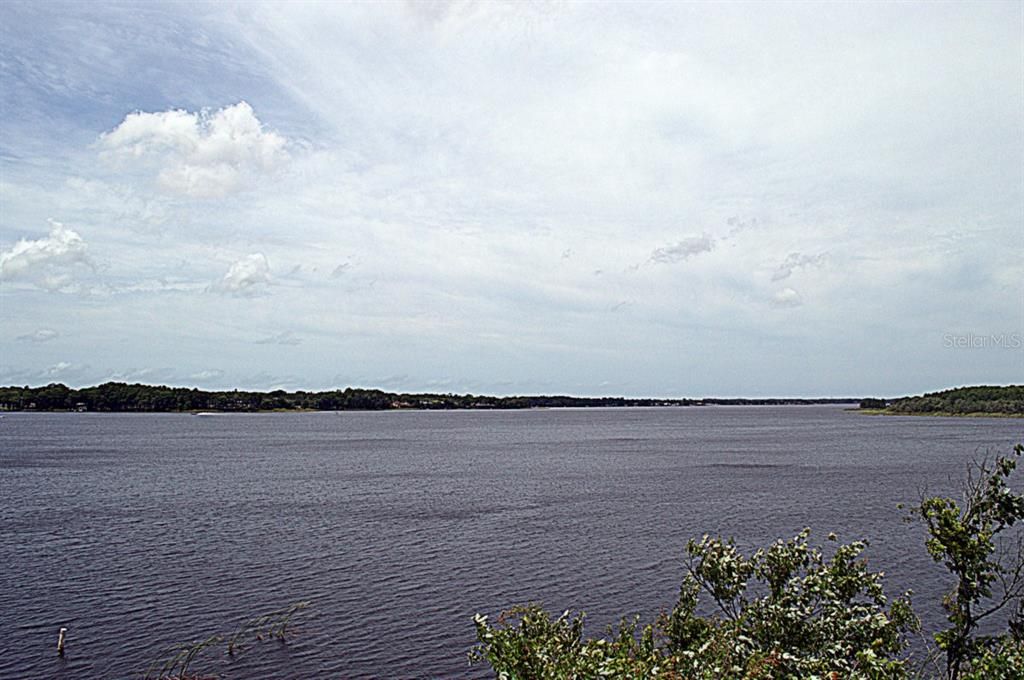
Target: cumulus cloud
247, 276
65, 371
737, 224
202, 154
796, 261
150, 375
62, 371
207, 375
40, 335
282, 338
49, 262
58, 369
683, 250
787, 297
271, 381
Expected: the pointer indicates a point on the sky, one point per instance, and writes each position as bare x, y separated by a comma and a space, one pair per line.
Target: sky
666, 199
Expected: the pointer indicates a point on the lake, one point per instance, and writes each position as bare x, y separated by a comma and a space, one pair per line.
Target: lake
138, 531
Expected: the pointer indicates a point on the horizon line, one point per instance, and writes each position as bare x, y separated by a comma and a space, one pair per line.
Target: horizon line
482, 394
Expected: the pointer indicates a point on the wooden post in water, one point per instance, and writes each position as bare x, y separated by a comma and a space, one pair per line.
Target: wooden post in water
60, 641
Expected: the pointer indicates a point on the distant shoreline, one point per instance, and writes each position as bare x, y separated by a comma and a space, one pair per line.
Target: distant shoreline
137, 398
981, 401
935, 414
113, 397
413, 409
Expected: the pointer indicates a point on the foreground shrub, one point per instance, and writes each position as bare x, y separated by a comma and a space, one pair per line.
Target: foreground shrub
970, 538
785, 611
793, 610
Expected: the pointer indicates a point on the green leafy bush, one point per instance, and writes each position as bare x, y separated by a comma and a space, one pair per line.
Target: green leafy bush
786, 611
793, 610
966, 537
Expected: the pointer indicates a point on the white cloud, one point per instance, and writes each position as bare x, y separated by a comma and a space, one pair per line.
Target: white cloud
62, 371
270, 381
787, 297
202, 155
40, 335
246, 276
282, 338
207, 375
796, 261
59, 368
148, 374
684, 249
738, 225
49, 262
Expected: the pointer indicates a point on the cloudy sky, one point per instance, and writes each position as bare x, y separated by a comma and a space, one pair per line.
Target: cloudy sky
664, 199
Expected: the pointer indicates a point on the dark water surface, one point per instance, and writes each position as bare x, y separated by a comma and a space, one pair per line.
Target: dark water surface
140, 531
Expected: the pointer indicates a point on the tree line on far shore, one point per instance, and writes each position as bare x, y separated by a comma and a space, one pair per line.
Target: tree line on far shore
117, 396
983, 399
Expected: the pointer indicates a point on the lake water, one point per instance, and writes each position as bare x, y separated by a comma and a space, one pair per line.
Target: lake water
140, 531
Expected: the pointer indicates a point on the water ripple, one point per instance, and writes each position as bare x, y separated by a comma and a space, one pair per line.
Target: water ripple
138, 532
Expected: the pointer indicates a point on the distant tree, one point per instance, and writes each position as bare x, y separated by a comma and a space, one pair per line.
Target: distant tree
52, 397
1006, 400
